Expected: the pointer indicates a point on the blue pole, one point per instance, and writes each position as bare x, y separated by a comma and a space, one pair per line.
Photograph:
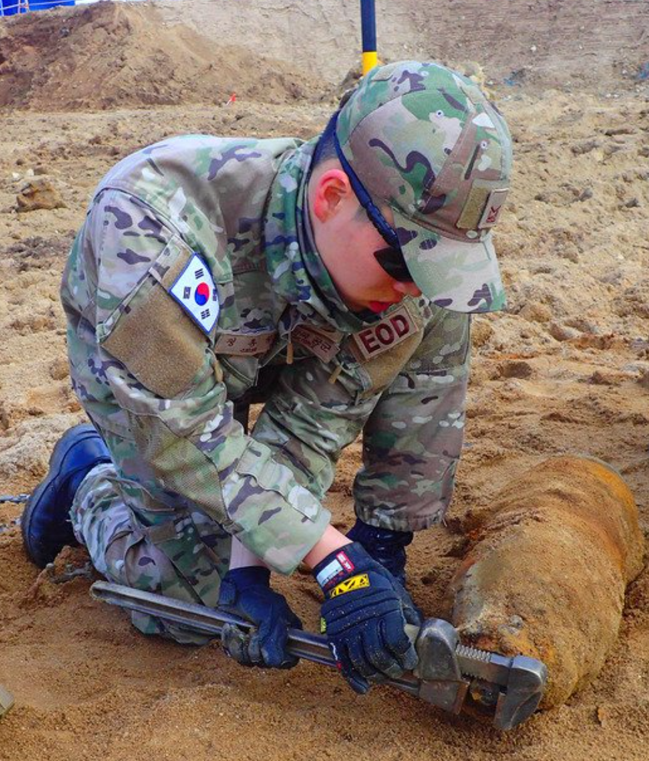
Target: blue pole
368, 29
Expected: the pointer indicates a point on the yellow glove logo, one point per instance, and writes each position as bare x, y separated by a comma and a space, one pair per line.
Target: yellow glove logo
349, 585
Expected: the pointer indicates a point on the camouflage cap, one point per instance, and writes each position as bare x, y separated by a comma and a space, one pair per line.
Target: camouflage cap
426, 141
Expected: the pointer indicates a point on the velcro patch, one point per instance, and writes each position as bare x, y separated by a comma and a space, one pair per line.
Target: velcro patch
244, 344
196, 293
319, 343
329, 572
385, 335
494, 206
349, 585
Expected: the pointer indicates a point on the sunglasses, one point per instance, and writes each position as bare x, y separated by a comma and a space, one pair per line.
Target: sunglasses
392, 261
391, 257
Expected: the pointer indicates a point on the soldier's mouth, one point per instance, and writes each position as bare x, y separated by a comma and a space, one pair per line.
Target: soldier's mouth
380, 306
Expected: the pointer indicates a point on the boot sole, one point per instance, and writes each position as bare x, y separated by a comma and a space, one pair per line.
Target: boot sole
57, 458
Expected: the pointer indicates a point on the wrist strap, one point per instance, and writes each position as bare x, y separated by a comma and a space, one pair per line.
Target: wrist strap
340, 564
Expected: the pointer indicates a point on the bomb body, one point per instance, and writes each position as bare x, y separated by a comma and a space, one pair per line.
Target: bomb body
548, 569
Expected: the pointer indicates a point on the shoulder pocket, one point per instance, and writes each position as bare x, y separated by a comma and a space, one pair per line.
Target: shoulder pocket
151, 334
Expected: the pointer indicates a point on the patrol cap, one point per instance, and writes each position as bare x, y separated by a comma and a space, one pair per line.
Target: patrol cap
424, 140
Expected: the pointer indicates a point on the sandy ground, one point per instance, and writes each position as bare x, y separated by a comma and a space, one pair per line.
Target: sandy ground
564, 370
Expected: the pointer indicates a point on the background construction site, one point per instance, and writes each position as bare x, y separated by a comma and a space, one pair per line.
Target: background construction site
564, 370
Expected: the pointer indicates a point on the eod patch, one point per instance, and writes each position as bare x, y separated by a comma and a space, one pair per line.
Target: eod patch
392, 330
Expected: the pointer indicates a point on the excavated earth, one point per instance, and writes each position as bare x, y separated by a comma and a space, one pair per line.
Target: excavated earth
565, 370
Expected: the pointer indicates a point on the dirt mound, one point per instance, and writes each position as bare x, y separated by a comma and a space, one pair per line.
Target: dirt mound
601, 46
114, 55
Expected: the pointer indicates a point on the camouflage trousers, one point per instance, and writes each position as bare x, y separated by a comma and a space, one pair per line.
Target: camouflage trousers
181, 554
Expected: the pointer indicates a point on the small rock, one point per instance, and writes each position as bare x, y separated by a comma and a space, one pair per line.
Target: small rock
586, 146
543, 269
59, 369
643, 380
562, 332
585, 194
611, 148
39, 193
583, 325
598, 378
612, 278
619, 131
536, 312
515, 369
632, 203
603, 715
571, 254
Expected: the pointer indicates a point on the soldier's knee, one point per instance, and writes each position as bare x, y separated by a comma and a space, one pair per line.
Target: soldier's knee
135, 562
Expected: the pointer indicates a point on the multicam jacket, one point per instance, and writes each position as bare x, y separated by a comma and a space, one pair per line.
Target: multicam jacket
194, 270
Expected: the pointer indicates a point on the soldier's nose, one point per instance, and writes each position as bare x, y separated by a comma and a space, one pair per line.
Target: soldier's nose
407, 289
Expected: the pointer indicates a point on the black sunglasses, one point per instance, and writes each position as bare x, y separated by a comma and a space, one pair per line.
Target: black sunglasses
392, 261
391, 257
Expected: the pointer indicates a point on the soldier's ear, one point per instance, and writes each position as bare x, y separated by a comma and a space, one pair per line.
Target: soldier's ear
332, 191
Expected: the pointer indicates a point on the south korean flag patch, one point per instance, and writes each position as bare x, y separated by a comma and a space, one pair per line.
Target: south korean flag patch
194, 290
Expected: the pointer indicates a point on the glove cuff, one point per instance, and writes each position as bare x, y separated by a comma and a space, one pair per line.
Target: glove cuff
248, 576
341, 564
384, 545
381, 538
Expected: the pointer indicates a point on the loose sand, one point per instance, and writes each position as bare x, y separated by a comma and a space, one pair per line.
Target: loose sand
564, 370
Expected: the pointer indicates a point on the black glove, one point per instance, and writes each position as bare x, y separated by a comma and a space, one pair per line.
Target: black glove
364, 615
246, 592
386, 546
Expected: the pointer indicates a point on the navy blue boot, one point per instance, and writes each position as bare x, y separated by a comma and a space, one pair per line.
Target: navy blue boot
384, 545
46, 525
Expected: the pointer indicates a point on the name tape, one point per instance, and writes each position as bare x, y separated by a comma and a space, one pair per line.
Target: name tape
244, 344
324, 347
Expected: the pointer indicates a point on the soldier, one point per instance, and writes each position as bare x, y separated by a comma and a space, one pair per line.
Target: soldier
331, 279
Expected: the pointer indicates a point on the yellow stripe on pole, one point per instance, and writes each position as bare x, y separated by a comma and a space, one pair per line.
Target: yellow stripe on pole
370, 60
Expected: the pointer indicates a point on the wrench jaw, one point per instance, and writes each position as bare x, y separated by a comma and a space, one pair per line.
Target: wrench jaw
442, 683
454, 677
527, 680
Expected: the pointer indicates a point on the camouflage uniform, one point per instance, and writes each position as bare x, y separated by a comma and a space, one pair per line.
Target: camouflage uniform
195, 275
